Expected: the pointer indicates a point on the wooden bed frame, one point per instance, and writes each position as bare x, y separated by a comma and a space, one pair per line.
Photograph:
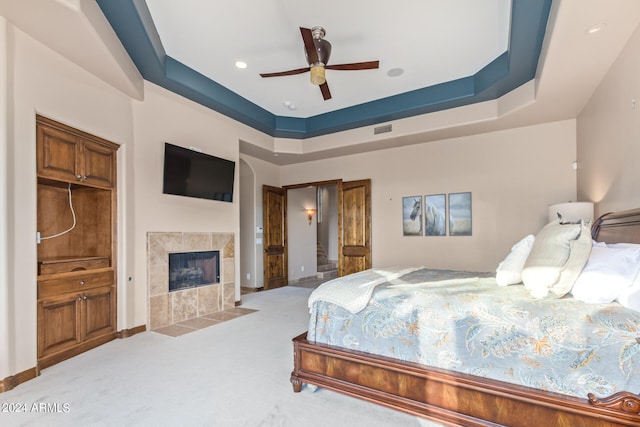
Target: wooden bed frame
459, 399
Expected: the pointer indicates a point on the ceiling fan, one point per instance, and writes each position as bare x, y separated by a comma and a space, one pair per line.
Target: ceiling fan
317, 50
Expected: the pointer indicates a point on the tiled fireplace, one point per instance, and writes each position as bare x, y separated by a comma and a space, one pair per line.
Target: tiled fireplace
168, 308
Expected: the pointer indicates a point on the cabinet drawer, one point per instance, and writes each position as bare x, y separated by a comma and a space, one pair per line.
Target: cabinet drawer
62, 265
53, 287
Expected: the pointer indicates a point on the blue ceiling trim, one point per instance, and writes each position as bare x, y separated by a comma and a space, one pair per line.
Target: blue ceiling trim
131, 20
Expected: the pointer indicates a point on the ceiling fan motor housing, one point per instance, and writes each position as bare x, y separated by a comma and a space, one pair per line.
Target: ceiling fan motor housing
322, 47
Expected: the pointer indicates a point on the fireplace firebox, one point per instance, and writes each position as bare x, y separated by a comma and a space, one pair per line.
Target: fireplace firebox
193, 269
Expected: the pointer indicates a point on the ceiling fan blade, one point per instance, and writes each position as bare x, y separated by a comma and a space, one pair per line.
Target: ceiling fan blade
309, 47
369, 65
286, 73
324, 88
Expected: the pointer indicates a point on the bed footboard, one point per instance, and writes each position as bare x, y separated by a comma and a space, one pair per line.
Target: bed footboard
449, 397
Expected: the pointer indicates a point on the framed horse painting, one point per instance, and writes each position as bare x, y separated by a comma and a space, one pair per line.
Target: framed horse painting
435, 215
412, 216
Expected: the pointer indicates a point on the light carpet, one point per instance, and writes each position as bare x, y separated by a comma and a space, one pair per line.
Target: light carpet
235, 373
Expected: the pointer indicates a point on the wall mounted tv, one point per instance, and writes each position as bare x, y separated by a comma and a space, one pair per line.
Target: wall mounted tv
194, 174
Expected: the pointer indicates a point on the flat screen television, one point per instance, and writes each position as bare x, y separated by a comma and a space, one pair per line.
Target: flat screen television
193, 174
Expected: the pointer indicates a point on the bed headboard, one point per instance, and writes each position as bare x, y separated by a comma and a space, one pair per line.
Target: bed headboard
617, 227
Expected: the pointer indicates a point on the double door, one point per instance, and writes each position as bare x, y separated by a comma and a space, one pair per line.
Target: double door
70, 323
354, 230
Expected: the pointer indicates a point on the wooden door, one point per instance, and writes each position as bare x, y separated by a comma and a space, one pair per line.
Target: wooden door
98, 165
58, 324
99, 309
274, 202
354, 219
57, 154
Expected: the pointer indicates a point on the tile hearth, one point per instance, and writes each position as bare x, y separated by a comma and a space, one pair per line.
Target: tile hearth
202, 322
173, 308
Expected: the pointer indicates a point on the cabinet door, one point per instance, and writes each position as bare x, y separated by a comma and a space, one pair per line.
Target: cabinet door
58, 324
98, 165
99, 316
57, 154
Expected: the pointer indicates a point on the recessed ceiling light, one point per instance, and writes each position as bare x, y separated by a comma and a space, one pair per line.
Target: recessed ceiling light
596, 28
395, 72
290, 105
241, 64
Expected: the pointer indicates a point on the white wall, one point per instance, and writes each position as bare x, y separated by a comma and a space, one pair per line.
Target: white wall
301, 236
247, 251
6, 312
265, 174
42, 82
328, 228
609, 136
166, 117
513, 176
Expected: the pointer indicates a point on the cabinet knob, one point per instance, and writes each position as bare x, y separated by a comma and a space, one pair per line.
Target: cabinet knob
82, 282
84, 177
79, 177
79, 298
84, 297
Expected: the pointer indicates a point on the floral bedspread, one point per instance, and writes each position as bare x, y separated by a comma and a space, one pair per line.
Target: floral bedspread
463, 322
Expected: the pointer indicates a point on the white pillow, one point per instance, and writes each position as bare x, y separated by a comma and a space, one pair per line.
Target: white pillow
608, 272
509, 271
630, 297
623, 245
559, 253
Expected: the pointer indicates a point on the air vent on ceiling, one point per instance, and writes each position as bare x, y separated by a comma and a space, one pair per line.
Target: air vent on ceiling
382, 129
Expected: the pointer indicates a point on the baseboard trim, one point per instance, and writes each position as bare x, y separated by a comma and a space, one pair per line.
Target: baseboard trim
126, 333
251, 290
13, 381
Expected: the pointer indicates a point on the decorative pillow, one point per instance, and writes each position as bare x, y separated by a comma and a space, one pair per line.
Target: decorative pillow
559, 253
509, 271
608, 272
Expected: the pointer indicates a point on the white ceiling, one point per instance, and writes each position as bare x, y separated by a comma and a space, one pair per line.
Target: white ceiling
571, 65
433, 41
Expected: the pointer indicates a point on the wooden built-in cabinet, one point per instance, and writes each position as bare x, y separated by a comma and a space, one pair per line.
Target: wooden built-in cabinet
76, 269
70, 155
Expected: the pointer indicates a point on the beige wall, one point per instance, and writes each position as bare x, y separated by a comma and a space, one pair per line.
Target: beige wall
513, 176
6, 306
247, 250
265, 173
608, 132
301, 236
166, 117
40, 81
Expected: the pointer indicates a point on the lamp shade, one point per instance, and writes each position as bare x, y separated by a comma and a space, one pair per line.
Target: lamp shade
572, 211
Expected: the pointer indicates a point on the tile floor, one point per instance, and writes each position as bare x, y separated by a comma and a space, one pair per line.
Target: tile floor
205, 321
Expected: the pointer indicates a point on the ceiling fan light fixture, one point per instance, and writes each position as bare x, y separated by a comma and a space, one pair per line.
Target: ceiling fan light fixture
321, 46
317, 74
